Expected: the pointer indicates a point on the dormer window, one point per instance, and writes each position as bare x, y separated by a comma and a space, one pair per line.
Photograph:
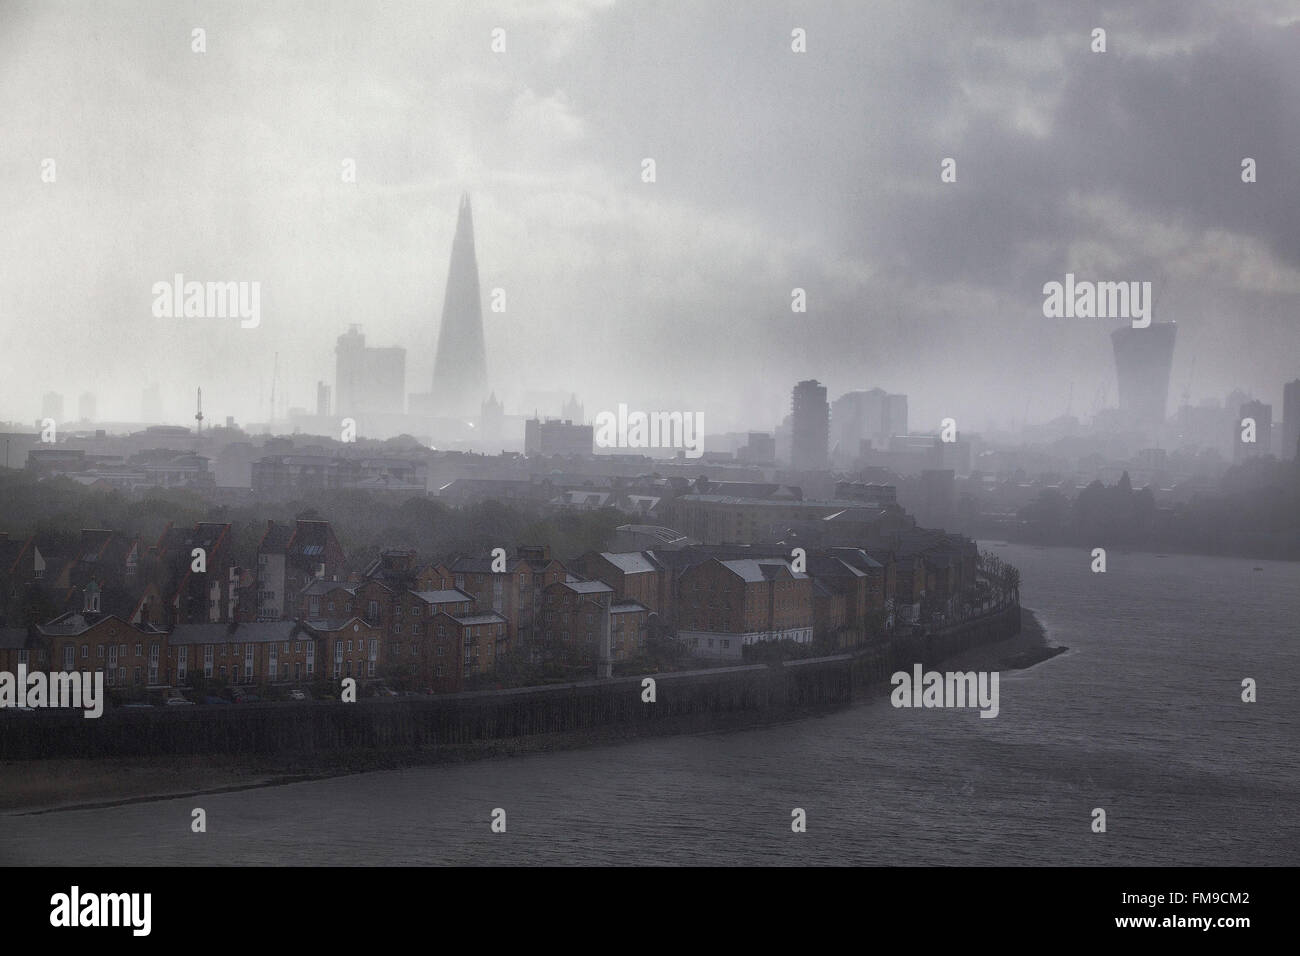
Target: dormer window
91, 604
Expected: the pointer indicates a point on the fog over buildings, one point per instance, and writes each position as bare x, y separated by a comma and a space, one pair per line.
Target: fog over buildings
774, 171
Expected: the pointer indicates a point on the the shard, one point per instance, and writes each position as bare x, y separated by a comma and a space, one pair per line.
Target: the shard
460, 367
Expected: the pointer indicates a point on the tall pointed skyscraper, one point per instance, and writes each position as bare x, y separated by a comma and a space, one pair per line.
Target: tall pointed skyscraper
460, 368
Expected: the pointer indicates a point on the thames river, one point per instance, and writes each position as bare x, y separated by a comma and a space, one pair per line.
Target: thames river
1143, 718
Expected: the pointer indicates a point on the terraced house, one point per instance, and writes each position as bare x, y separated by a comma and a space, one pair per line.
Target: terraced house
725, 605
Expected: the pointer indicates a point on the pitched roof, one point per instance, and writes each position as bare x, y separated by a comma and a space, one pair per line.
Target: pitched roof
753, 570
446, 596
476, 565
73, 624
12, 638
630, 562
258, 632
587, 587
275, 540
320, 586
473, 619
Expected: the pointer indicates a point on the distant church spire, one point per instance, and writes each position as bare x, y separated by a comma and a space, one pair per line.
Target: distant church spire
460, 367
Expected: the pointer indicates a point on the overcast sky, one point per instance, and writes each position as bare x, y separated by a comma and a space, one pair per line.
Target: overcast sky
774, 170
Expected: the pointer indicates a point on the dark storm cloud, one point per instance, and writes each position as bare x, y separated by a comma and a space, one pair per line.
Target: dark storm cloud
775, 170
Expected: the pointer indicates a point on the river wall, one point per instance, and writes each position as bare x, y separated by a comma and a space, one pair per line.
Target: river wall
684, 702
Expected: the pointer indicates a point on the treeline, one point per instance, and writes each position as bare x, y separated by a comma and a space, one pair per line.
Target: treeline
1255, 512
56, 510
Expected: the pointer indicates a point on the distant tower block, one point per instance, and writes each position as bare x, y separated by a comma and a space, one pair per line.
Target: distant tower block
460, 367
1143, 359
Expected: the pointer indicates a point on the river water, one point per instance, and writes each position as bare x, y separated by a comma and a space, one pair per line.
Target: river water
1143, 717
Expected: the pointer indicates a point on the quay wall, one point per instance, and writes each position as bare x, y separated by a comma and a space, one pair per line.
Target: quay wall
684, 702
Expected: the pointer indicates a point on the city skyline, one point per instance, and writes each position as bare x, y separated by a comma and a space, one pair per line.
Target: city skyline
903, 290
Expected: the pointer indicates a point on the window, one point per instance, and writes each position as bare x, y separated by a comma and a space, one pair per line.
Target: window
136, 679
370, 668
139, 652
726, 645
338, 652
395, 649
349, 645
330, 605
286, 647
85, 651
315, 607
372, 610
415, 611
397, 627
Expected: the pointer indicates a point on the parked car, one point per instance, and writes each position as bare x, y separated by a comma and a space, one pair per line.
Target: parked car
215, 700
296, 694
179, 702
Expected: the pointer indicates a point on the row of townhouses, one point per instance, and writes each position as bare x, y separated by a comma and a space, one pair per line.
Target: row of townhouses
158, 613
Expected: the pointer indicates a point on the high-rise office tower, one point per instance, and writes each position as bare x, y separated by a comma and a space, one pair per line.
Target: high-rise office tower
1143, 359
460, 367
1290, 420
367, 380
52, 406
810, 416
